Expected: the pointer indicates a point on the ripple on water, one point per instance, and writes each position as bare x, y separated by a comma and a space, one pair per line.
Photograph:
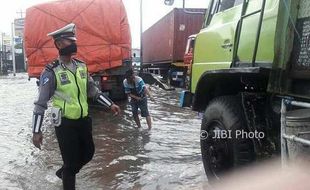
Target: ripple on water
167, 157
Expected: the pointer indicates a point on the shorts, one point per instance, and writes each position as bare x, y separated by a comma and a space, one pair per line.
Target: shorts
142, 104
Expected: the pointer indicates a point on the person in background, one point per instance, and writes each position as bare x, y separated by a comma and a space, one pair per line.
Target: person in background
135, 88
67, 82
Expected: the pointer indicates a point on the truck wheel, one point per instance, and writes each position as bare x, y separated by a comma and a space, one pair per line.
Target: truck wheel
222, 150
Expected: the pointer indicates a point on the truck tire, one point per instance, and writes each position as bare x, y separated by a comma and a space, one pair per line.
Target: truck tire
220, 153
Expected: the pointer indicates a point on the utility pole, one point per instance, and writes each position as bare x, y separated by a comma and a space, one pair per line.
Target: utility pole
13, 51
18, 26
141, 45
21, 13
1, 61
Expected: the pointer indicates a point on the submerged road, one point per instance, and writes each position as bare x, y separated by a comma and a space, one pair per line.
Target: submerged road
167, 157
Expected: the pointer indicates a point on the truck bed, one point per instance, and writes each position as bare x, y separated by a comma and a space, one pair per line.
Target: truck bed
103, 34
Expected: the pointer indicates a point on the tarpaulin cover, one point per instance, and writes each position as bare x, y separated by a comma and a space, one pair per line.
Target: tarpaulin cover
102, 30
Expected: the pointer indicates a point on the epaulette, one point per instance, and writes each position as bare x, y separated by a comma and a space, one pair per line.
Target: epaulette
52, 65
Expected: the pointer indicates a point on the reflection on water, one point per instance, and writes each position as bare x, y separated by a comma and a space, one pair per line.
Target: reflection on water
167, 157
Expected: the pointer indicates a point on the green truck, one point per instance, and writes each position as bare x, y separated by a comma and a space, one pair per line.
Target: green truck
251, 59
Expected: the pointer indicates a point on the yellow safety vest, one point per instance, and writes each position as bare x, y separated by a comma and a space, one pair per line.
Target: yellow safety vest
71, 91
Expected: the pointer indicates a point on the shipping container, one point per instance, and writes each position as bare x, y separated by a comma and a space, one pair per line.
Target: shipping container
165, 41
164, 44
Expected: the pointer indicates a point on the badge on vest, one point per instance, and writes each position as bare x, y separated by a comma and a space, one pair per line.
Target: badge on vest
83, 74
64, 79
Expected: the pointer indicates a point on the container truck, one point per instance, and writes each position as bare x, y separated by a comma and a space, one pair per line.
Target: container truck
103, 39
164, 43
250, 80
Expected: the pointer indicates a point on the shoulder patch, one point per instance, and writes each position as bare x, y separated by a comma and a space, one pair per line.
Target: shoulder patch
45, 80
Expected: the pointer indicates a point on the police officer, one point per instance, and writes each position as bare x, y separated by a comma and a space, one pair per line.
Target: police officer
66, 81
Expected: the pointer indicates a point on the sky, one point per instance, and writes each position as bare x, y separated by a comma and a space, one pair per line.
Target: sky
152, 11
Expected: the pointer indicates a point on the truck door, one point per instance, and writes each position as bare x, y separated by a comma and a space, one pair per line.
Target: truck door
249, 34
214, 43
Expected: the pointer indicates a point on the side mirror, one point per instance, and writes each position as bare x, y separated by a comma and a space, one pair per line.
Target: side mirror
191, 50
169, 2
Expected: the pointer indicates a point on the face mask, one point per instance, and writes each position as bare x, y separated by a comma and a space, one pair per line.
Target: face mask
69, 50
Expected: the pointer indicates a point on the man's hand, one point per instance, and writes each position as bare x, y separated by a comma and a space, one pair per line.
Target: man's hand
37, 139
116, 110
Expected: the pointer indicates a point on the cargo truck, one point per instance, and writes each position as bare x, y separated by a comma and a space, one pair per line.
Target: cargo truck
103, 39
164, 43
250, 79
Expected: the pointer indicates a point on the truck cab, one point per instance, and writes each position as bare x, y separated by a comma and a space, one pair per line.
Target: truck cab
249, 56
216, 42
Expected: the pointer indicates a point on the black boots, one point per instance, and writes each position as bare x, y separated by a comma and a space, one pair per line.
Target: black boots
68, 180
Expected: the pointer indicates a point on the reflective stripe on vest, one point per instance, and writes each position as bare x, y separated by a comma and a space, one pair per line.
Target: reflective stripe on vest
73, 86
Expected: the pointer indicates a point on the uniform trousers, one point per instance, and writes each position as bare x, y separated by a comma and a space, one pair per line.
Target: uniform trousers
76, 146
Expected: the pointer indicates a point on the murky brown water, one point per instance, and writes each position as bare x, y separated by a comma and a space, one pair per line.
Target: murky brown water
167, 157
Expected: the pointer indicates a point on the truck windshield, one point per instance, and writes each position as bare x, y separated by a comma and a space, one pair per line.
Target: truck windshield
226, 4
219, 6
212, 9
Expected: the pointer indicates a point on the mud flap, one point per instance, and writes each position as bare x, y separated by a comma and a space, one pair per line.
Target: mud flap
185, 99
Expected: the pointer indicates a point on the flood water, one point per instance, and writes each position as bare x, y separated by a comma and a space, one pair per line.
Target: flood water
167, 157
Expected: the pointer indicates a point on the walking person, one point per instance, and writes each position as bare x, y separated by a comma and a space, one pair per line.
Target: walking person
66, 81
135, 88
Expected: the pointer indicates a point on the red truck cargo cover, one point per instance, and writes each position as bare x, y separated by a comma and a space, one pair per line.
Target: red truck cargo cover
102, 30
